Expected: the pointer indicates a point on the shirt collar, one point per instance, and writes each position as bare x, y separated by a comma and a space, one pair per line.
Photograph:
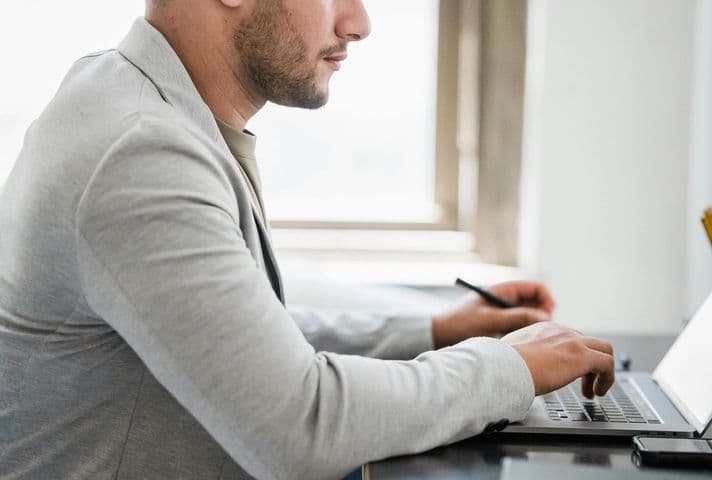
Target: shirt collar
242, 143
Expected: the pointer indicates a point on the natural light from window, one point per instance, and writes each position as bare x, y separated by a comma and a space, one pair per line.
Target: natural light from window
369, 155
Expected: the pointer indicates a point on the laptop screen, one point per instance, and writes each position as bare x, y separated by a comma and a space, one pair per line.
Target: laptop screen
685, 374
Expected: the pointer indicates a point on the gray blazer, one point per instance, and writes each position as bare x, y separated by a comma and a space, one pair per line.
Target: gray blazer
142, 329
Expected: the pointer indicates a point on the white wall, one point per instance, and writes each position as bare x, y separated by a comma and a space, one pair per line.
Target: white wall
606, 216
700, 194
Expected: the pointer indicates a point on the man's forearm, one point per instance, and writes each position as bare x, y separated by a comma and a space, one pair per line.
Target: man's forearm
393, 337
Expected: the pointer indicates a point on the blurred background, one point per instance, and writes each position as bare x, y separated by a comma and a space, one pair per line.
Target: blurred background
564, 140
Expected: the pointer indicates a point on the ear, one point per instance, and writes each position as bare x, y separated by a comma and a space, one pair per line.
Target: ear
231, 3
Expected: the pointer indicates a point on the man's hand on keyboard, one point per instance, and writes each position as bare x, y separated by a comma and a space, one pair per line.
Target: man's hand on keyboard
557, 355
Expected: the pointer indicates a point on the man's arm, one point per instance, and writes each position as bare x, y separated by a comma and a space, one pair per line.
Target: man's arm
403, 336
385, 336
162, 260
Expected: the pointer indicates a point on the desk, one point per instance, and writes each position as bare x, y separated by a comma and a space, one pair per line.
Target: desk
480, 457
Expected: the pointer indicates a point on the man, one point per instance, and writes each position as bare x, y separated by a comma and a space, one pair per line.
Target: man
142, 326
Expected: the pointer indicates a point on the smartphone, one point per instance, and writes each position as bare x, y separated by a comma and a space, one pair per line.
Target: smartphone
683, 452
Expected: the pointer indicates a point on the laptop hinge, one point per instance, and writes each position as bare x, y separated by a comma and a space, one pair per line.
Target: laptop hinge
708, 432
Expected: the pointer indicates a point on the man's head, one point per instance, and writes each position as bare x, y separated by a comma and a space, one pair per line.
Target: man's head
283, 51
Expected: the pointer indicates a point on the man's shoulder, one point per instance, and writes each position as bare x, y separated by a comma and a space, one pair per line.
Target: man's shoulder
106, 111
103, 99
130, 126
106, 90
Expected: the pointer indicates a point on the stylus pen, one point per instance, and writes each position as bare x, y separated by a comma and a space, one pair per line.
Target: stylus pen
493, 299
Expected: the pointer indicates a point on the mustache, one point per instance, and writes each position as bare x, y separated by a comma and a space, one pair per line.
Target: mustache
329, 51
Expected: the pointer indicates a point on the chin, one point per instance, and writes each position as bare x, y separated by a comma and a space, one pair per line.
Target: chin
310, 102
309, 95
317, 98
315, 103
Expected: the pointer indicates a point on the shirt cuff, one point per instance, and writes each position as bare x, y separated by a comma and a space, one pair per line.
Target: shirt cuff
415, 336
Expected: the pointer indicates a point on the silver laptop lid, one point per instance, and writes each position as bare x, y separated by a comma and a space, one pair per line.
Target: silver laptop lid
685, 374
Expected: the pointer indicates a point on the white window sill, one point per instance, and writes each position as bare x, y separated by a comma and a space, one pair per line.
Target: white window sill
413, 258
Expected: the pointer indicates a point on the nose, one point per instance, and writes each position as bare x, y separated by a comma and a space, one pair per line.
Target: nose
353, 23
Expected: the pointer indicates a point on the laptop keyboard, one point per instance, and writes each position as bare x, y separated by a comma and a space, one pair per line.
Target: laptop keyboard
622, 404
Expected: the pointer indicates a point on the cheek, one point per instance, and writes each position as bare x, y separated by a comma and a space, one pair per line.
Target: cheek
313, 20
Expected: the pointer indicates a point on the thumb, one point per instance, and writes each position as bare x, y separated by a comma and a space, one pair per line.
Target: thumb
519, 317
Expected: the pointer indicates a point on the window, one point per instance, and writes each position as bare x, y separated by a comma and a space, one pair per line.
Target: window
422, 135
418, 149
368, 158
338, 164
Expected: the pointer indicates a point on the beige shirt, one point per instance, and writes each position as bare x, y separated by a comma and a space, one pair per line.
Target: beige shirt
242, 146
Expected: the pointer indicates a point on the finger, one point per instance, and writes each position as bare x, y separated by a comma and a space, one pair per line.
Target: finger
531, 294
604, 383
587, 385
515, 318
544, 298
598, 344
604, 368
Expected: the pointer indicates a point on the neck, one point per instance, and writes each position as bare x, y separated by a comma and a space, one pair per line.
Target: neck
219, 77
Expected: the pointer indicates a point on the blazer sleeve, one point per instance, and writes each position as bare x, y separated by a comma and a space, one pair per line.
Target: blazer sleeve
162, 260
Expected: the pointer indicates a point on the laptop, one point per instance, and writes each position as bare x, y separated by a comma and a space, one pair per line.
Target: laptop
676, 400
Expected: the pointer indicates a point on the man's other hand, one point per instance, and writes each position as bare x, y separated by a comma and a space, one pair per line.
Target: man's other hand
557, 355
474, 317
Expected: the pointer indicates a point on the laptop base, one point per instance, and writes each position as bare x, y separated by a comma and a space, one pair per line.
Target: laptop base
651, 398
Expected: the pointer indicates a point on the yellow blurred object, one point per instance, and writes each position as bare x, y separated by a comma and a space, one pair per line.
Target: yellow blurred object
707, 222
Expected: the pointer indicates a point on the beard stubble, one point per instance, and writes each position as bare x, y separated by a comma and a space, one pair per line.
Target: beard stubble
275, 57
